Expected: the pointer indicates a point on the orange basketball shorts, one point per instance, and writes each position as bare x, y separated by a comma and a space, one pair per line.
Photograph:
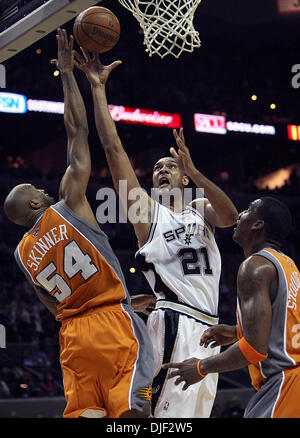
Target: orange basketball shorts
278, 397
107, 362
287, 404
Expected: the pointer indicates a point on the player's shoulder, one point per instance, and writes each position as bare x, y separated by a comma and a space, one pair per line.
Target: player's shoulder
199, 204
256, 267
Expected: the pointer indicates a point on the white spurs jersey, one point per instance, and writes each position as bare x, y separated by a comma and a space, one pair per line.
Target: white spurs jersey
181, 259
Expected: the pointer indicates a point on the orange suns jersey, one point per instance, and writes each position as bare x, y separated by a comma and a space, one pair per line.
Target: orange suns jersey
71, 260
284, 342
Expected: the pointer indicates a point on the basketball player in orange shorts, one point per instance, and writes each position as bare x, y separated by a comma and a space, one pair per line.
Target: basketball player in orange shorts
267, 335
105, 353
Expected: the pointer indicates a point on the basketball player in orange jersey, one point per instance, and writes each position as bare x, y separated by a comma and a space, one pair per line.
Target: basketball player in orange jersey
105, 352
177, 253
267, 336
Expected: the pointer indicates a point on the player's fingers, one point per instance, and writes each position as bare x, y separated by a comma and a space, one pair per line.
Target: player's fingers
185, 386
214, 344
77, 64
150, 304
174, 153
183, 154
71, 43
173, 374
114, 65
78, 57
64, 37
208, 332
181, 134
97, 58
179, 380
208, 339
205, 342
181, 145
85, 54
178, 139
54, 61
202, 342
205, 335
61, 37
171, 365
176, 136
58, 39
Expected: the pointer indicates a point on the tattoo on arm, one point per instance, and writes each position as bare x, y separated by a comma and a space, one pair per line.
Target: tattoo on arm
254, 280
249, 284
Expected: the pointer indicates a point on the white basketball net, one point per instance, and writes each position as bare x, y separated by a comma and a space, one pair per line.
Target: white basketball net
167, 25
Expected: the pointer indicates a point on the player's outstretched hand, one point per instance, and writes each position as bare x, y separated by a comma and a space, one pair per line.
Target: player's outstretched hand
96, 73
65, 58
140, 303
182, 156
186, 372
218, 335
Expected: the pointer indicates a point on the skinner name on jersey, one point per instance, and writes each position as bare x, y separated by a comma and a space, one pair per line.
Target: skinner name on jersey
44, 244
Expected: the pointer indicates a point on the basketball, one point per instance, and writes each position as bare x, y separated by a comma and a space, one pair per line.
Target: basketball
97, 29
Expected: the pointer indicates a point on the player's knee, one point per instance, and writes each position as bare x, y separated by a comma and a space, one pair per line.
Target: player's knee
131, 413
145, 412
93, 413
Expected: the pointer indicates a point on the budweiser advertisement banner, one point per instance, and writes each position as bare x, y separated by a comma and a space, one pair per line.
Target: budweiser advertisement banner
288, 6
141, 116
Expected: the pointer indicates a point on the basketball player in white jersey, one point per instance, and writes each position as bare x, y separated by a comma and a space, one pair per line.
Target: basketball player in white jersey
178, 253
266, 337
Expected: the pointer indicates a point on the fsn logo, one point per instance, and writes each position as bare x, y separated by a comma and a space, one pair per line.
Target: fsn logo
2, 76
2, 336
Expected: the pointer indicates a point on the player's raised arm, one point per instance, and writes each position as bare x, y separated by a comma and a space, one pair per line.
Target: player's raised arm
75, 180
118, 161
218, 208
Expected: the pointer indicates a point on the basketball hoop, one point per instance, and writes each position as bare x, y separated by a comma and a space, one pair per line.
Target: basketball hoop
167, 25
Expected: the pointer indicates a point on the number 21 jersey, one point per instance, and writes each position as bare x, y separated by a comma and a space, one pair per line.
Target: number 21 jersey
181, 259
72, 260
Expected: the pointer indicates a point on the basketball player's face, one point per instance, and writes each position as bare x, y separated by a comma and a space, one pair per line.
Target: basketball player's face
242, 231
42, 196
166, 175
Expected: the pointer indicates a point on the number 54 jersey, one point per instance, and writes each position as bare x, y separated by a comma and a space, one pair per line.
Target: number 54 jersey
181, 259
72, 260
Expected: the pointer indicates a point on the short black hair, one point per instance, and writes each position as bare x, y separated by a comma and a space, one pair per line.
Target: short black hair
277, 218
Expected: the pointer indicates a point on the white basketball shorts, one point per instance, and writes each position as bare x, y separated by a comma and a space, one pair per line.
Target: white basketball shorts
176, 337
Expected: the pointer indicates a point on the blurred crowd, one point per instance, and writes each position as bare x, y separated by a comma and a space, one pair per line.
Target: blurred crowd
29, 365
18, 167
